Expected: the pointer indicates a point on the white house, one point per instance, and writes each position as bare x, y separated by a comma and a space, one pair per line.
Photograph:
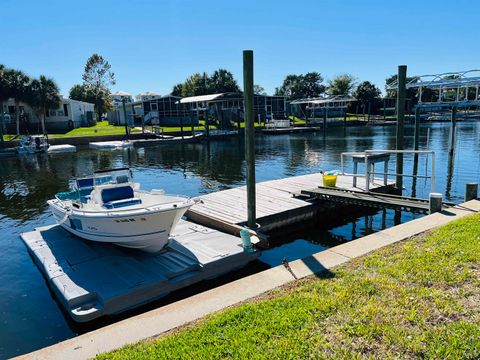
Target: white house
119, 96
147, 96
69, 115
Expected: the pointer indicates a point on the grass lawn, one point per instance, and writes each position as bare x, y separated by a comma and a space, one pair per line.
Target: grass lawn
8, 137
101, 128
416, 299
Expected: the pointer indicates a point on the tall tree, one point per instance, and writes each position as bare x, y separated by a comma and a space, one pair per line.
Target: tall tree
98, 78
301, 86
17, 82
368, 93
43, 94
195, 84
177, 90
341, 85
258, 89
222, 81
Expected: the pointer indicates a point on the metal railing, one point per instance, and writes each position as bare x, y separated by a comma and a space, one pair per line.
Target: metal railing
368, 173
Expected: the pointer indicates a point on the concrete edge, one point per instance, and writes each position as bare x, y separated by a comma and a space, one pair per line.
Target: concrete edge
171, 316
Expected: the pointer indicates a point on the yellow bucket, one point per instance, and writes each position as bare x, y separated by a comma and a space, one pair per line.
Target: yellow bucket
329, 180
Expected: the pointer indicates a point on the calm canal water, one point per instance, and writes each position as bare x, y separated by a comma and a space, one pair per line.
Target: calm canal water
29, 316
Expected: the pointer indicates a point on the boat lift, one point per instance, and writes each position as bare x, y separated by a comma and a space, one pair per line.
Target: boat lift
375, 199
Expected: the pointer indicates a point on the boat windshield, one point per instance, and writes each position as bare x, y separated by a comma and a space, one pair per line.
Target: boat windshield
115, 176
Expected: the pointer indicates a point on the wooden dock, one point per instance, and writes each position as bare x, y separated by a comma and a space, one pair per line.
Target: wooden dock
277, 202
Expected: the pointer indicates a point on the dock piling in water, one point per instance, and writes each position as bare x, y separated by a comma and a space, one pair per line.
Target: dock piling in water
249, 135
402, 76
452, 130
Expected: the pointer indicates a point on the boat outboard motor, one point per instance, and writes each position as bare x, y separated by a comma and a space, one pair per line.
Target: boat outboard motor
37, 143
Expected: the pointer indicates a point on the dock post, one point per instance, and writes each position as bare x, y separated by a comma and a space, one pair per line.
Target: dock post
2, 142
452, 130
207, 127
471, 191
181, 125
192, 124
435, 202
249, 135
325, 122
402, 76
125, 116
345, 123
416, 135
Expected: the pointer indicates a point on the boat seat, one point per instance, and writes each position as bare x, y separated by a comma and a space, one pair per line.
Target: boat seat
117, 193
122, 203
122, 179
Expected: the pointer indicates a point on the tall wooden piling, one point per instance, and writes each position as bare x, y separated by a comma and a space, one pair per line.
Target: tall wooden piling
402, 76
249, 135
2, 142
325, 122
452, 130
207, 127
416, 134
125, 117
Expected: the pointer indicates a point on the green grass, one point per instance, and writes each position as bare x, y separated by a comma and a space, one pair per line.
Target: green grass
100, 129
416, 299
8, 137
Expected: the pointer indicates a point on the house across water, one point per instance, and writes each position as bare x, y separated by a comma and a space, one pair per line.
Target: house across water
69, 115
224, 109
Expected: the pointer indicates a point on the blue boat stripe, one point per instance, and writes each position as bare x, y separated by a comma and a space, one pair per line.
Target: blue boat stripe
118, 236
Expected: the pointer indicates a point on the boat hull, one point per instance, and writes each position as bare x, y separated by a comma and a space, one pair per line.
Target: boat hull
147, 230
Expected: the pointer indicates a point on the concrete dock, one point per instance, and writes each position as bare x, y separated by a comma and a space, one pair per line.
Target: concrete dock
92, 279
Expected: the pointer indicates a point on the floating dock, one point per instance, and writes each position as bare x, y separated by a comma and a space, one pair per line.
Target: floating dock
92, 279
65, 148
277, 202
110, 145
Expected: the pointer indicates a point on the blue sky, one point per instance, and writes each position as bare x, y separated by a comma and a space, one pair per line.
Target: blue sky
153, 45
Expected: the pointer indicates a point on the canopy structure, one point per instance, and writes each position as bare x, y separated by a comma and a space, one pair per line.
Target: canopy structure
457, 89
333, 101
201, 98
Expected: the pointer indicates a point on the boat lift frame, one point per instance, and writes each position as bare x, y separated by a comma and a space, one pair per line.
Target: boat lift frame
368, 173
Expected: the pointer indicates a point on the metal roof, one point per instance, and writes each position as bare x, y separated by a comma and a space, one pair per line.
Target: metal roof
445, 80
200, 98
121, 93
322, 100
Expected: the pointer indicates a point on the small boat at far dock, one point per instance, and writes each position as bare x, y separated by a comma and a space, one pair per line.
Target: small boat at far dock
33, 144
109, 207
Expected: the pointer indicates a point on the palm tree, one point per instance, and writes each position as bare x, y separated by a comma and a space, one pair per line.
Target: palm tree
43, 95
17, 83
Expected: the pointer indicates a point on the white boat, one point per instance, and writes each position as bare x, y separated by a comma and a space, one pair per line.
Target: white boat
33, 144
109, 207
